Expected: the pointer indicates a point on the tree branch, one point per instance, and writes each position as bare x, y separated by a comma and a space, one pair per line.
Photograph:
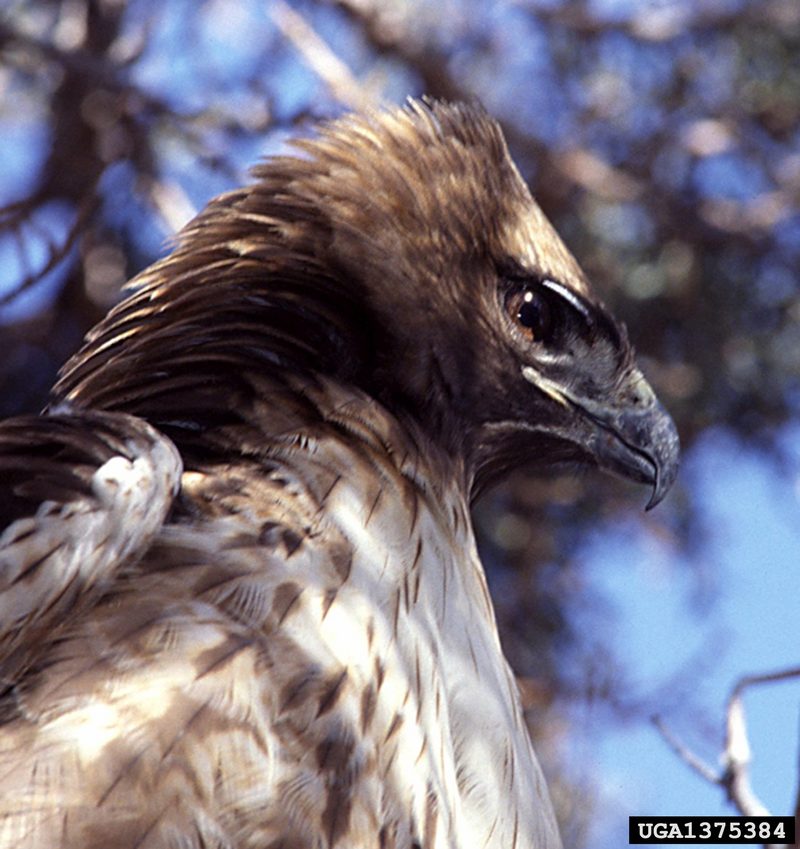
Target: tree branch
320, 57
735, 775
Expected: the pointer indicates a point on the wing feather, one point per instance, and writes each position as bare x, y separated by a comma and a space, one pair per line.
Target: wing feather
83, 494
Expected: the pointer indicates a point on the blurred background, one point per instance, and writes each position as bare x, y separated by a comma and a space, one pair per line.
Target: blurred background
663, 139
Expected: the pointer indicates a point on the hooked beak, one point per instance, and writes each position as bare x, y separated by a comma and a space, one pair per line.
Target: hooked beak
637, 439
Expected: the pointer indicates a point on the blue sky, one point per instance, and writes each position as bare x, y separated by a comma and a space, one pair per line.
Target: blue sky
661, 631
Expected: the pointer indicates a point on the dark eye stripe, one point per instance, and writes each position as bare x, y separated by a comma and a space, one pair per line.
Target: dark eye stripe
568, 296
597, 320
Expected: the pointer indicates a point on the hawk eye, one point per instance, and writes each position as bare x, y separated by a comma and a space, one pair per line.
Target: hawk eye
531, 313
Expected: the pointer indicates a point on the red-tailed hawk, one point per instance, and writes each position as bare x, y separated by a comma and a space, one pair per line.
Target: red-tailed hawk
240, 600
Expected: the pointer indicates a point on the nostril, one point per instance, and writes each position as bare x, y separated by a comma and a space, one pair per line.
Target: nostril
640, 394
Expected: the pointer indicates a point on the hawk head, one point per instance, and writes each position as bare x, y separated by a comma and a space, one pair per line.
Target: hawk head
400, 253
482, 324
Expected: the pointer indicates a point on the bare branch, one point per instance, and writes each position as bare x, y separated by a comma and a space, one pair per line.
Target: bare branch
170, 201
320, 57
765, 678
56, 252
692, 760
736, 758
735, 775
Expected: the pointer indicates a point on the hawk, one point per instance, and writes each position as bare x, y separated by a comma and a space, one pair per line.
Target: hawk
240, 600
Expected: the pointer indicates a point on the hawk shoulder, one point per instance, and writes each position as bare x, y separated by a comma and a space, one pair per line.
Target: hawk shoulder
305, 652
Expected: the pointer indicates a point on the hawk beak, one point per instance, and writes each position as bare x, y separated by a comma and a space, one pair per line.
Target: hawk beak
641, 444
636, 439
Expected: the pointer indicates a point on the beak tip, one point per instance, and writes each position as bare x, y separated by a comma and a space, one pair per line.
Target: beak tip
655, 499
666, 463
